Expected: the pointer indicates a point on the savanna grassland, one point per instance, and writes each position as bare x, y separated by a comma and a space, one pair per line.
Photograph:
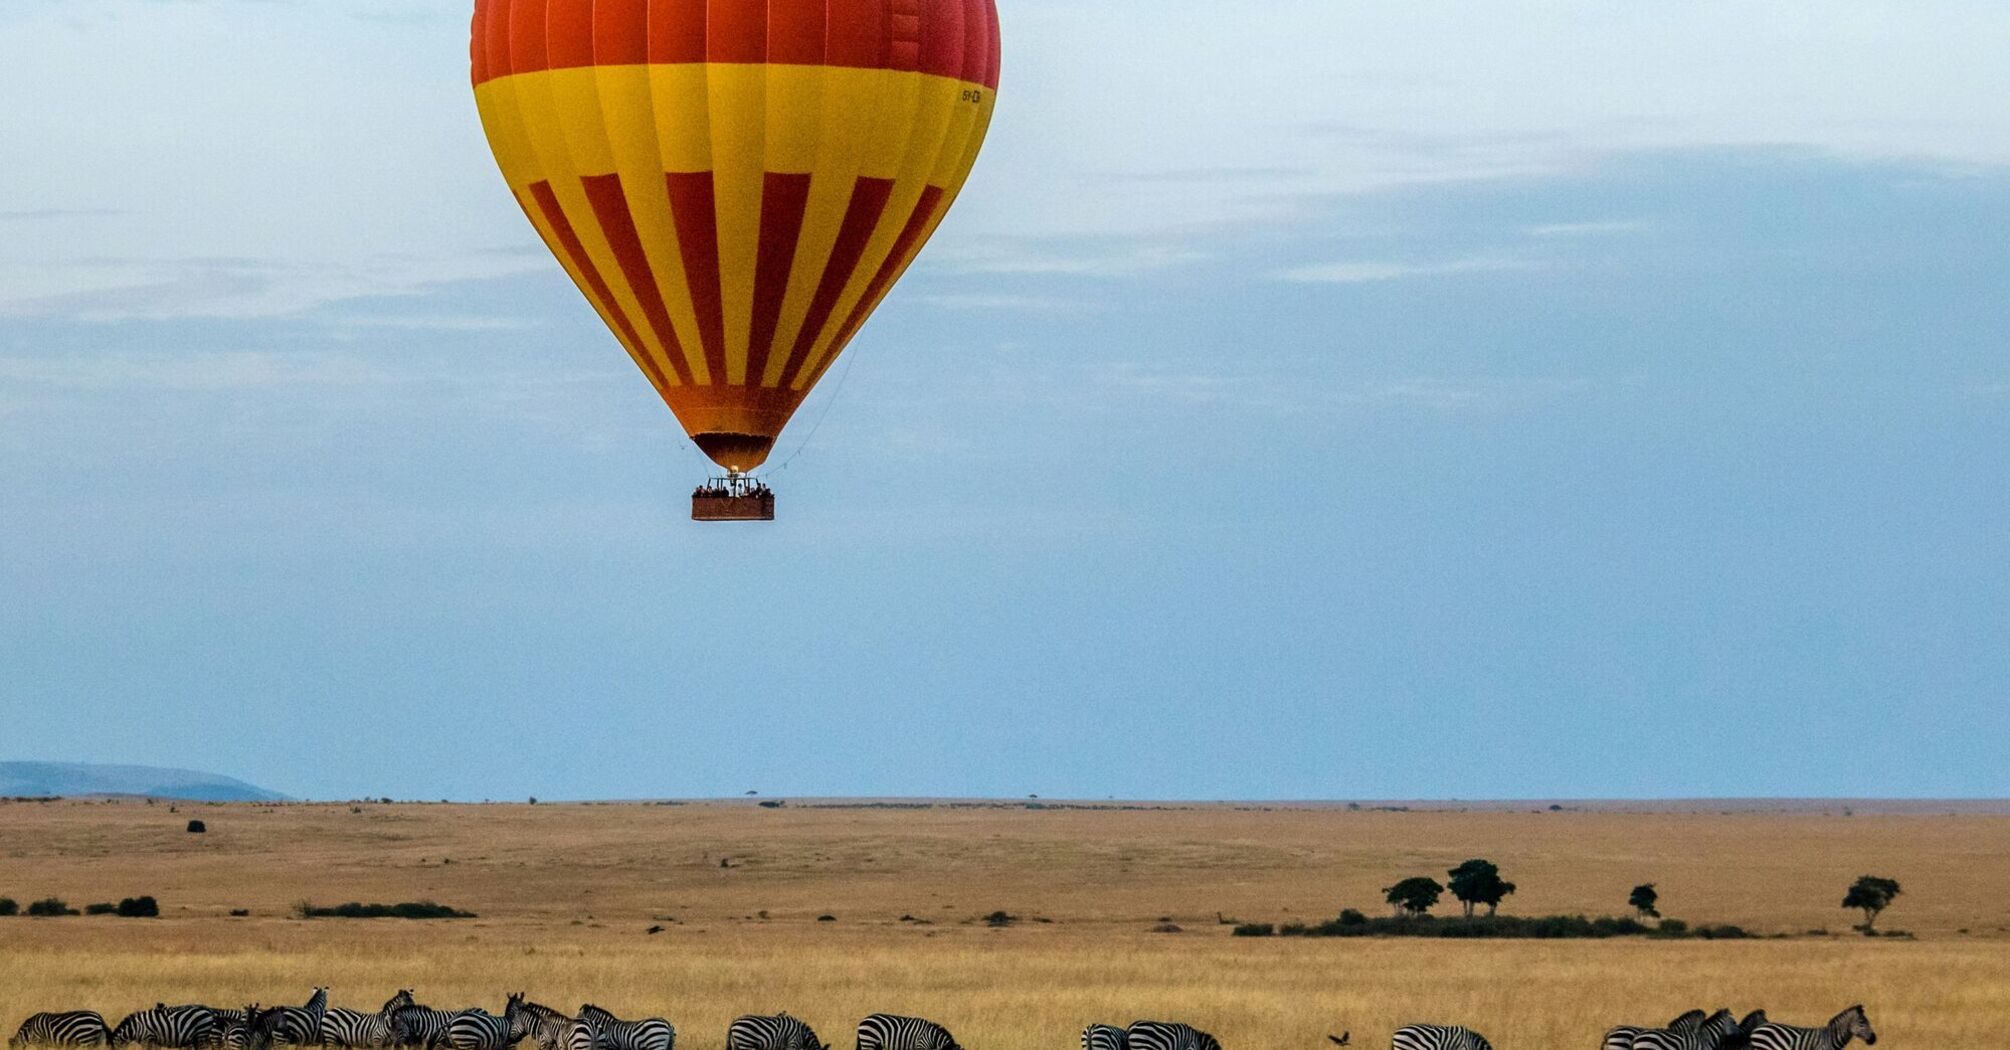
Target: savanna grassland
565, 896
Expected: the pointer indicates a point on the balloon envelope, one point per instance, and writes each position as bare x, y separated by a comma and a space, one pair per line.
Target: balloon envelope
735, 184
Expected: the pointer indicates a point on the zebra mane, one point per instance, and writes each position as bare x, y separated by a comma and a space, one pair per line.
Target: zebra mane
1689, 1020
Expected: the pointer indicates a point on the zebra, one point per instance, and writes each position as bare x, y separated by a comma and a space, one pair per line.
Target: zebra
1104, 1037
354, 1028
297, 1025
179, 1027
1165, 1035
68, 1028
1438, 1037
597, 1029
419, 1026
1852, 1023
473, 1029
773, 1032
537, 1022
894, 1032
1621, 1038
1718, 1032
235, 1030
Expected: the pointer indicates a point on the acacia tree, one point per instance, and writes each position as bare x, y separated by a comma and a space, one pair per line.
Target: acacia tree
1643, 899
1479, 882
1414, 896
1871, 895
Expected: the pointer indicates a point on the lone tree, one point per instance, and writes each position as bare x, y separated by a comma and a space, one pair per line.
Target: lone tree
1871, 895
1642, 901
1479, 882
1414, 896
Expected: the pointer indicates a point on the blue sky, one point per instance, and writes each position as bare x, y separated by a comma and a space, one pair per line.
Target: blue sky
1307, 400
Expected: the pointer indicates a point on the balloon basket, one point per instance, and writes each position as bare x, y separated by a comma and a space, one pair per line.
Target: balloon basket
735, 497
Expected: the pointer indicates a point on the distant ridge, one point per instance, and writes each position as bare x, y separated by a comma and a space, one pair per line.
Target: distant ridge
37, 779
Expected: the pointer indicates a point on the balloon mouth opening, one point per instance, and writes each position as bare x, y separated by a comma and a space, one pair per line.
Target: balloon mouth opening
737, 453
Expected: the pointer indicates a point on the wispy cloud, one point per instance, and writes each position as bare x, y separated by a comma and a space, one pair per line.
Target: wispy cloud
1369, 271
1608, 228
1090, 257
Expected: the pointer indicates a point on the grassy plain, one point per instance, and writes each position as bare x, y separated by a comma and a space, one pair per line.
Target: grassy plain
565, 895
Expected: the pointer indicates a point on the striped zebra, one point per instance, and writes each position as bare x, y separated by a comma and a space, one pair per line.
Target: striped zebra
235, 1030
772, 1032
535, 1021
1852, 1023
1438, 1037
1621, 1038
354, 1028
176, 1027
473, 1029
596, 1029
418, 1026
1715, 1033
894, 1032
1104, 1037
66, 1028
295, 1025
1165, 1035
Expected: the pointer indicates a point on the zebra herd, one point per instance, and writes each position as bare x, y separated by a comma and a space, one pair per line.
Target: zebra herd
1694, 1030
403, 1024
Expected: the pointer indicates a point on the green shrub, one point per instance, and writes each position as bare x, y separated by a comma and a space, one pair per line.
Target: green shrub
408, 910
106, 908
9, 906
50, 907
1352, 917
1673, 927
139, 908
1255, 929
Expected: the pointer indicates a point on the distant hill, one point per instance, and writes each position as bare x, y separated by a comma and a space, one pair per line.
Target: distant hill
33, 779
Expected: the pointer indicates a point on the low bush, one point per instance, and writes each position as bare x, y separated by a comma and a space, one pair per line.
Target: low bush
197, 827
9, 906
1000, 918
1352, 923
139, 908
50, 907
1255, 929
106, 908
407, 910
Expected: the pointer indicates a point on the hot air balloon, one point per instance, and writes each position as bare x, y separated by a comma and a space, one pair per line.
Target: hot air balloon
735, 184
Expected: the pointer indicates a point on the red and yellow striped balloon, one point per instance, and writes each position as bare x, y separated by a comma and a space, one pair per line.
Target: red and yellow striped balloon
735, 184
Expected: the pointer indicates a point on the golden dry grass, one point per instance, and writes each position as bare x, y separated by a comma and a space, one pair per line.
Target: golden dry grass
564, 894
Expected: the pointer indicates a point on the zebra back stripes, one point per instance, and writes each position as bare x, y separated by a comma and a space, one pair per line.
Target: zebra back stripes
295, 1025
1104, 1037
175, 1027
1438, 1037
894, 1032
235, 1030
474, 1029
1713, 1033
62, 1028
355, 1029
1167, 1035
771, 1032
1852, 1023
419, 1026
537, 1022
597, 1029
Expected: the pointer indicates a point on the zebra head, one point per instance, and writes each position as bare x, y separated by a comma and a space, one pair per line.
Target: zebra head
395, 1003
1752, 1021
1853, 1022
